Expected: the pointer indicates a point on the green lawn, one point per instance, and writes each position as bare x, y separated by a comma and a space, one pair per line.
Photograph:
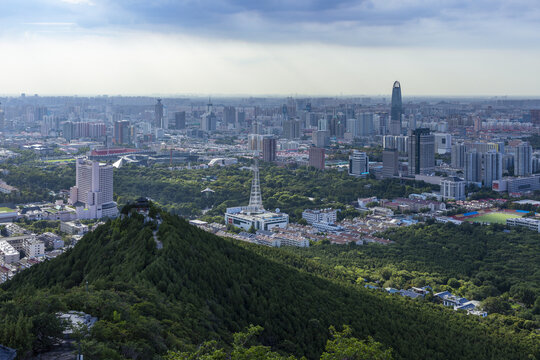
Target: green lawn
494, 218
6, 209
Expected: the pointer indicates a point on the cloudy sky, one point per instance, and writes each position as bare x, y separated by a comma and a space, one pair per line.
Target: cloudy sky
270, 47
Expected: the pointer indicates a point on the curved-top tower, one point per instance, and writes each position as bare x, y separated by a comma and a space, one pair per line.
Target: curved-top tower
396, 109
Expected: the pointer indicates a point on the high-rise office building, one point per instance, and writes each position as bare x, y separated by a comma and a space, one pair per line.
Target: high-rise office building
383, 128
158, 114
365, 124
396, 110
322, 124
255, 142
321, 138
316, 157
291, 129
122, 133
229, 115
390, 163
240, 118
209, 121
353, 127
269, 147
473, 166
92, 194
358, 164
337, 127
180, 120
492, 167
39, 113
68, 131
458, 156
535, 117
421, 151
523, 160
2, 118
443, 143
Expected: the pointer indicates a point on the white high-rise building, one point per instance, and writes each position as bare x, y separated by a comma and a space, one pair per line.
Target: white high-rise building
358, 164
92, 194
443, 143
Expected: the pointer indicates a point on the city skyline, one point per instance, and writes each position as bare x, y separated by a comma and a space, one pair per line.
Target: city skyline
312, 48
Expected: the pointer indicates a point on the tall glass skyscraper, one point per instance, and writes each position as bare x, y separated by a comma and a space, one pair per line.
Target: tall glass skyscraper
396, 110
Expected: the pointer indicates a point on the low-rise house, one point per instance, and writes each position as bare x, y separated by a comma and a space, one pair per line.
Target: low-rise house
73, 228
14, 229
411, 294
51, 240
7, 189
325, 216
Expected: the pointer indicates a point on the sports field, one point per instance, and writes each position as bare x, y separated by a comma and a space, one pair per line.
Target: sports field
494, 217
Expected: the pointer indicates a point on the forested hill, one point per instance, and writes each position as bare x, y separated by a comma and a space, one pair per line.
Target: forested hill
201, 287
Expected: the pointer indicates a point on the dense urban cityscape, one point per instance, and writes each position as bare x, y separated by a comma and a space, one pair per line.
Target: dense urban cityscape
286, 180
452, 160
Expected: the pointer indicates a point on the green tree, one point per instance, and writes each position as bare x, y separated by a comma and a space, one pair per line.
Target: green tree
345, 347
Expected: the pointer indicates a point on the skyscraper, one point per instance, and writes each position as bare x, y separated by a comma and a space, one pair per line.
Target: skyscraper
209, 121
337, 127
396, 109
180, 120
523, 160
421, 151
255, 142
158, 114
269, 149
291, 129
358, 164
121, 133
492, 167
240, 118
458, 156
92, 194
473, 166
316, 158
353, 127
390, 163
365, 124
2, 119
321, 138
535, 117
229, 115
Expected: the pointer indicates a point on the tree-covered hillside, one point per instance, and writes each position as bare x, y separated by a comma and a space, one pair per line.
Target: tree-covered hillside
200, 287
471, 260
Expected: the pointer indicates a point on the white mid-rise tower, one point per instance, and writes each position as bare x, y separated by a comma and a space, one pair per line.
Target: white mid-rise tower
92, 194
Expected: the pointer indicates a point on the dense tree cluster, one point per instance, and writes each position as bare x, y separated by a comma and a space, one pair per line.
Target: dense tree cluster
471, 260
290, 189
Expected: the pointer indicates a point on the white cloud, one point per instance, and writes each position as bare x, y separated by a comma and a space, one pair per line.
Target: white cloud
132, 63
